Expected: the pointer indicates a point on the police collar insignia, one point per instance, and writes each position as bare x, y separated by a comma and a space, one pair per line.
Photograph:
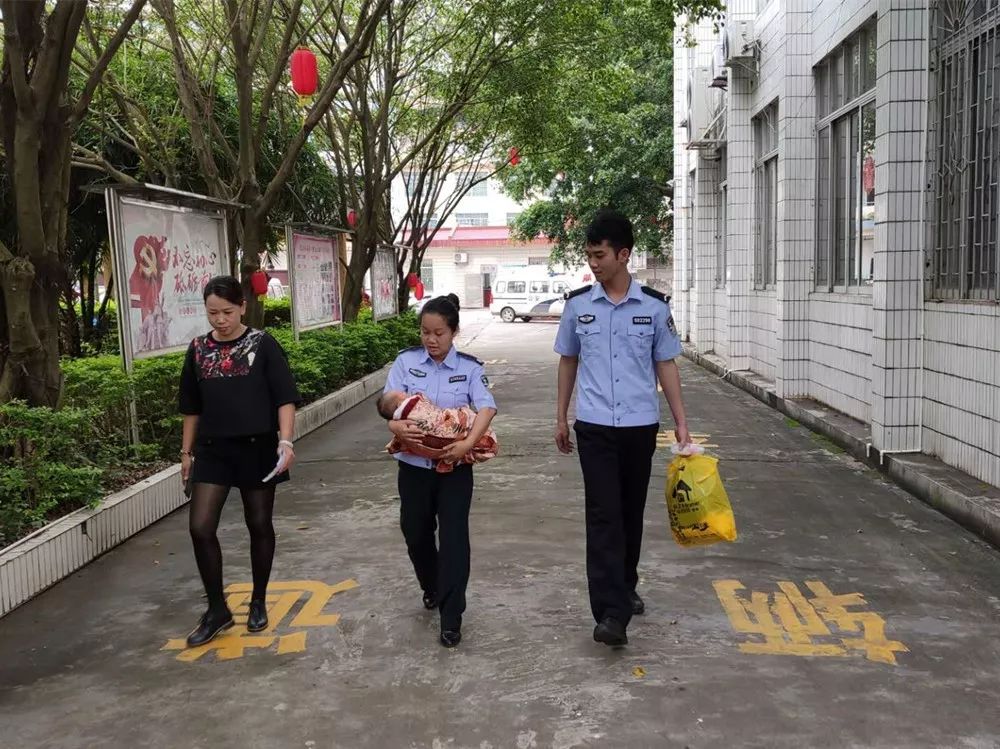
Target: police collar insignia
647, 320
586, 319
417, 372
458, 378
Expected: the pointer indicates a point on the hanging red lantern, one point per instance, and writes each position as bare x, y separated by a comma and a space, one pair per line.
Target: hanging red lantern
418, 290
305, 74
412, 280
258, 282
515, 156
352, 218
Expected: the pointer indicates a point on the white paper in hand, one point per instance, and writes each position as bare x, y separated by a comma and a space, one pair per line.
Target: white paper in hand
278, 468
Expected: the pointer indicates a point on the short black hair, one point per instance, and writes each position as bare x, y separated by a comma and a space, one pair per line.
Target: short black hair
446, 306
383, 408
225, 287
611, 226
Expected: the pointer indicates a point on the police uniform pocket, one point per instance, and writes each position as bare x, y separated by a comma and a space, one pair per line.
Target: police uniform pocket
641, 338
590, 336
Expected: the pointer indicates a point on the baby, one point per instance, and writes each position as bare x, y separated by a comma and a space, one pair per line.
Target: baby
442, 427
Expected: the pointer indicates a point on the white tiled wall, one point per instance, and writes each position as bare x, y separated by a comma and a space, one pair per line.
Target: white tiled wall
961, 405
925, 376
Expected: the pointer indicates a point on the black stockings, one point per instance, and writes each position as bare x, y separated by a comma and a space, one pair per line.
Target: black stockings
207, 501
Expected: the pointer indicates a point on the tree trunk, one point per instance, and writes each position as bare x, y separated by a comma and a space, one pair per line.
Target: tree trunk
254, 232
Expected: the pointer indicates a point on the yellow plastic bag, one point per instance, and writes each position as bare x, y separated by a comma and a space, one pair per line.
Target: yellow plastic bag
697, 503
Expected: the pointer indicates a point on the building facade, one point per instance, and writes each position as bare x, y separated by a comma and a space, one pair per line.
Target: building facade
836, 200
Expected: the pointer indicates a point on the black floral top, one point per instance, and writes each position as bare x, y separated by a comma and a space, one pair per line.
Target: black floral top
236, 387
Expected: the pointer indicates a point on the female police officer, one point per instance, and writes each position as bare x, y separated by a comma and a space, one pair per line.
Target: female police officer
621, 338
449, 379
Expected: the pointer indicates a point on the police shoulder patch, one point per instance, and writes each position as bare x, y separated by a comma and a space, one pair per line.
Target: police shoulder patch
577, 292
417, 372
470, 357
650, 291
671, 325
485, 379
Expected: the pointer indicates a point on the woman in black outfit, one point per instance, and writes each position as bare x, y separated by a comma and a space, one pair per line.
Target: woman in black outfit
238, 399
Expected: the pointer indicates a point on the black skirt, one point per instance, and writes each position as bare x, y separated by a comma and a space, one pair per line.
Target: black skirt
236, 461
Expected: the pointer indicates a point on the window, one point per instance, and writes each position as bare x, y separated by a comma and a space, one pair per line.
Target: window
477, 190
720, 225
511, 218
472, 219
539, 287
845, 145
516, 287
501, 287
965, 151
427, 274
559, 287
765, 129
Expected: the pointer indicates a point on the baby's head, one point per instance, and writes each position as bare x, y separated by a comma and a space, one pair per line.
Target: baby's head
388, 402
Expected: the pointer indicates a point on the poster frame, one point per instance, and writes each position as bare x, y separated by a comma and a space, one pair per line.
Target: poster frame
395, 283
315, 232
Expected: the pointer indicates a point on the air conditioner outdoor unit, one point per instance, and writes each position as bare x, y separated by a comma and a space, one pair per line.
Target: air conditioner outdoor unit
738, 45
699, 101
461, 258
720, 74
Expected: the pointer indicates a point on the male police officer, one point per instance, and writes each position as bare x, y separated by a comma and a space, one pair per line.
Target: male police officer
621, 338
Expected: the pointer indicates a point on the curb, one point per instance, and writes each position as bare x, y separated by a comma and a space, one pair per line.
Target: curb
50, 554
971, 503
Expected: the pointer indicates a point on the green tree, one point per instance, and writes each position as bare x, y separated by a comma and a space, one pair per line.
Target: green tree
39, 115
599, 132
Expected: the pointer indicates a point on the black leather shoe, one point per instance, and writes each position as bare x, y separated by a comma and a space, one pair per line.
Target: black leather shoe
209, 627
430, 600
451, 637
638, 605
611, 632
257, 618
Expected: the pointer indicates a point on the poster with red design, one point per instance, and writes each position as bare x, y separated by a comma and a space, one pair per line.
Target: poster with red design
165, 257
314, 274
383, 276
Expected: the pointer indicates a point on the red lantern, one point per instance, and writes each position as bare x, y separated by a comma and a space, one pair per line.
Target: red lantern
418, 290
305, 75
412, 280
515, 156
352, 218
258, 283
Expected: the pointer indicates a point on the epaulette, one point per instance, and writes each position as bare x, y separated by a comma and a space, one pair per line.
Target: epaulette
650, 291
470, 356
411, 348
577, 292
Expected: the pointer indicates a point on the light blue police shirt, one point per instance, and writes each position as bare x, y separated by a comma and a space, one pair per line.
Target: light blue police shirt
457, 381
618, 346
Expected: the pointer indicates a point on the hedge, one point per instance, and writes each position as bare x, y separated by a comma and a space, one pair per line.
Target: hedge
58, 461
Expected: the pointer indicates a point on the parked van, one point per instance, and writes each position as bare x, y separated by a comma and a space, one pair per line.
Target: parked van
530, 292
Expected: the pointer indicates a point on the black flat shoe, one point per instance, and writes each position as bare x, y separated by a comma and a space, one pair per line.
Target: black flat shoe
611, 632
209, 627
257, 618
638, 605
451, 637
430, 600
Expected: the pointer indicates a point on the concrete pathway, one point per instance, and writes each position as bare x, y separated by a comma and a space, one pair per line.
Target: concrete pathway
847, 615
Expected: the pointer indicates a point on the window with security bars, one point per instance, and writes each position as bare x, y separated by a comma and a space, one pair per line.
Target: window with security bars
765, 130
965, 150
845, 163
472, 219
